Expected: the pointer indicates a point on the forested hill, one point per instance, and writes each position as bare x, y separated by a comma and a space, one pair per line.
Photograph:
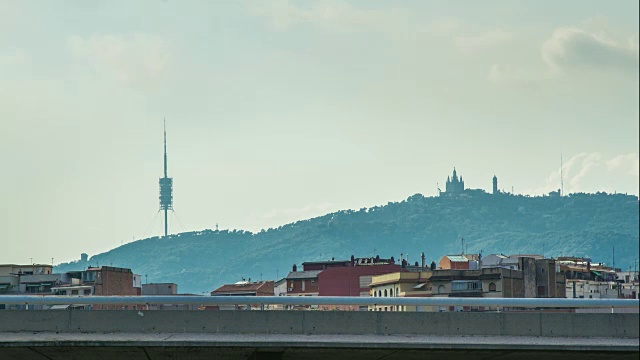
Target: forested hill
578, 224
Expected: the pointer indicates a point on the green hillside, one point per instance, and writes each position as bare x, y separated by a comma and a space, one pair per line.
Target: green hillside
578, 224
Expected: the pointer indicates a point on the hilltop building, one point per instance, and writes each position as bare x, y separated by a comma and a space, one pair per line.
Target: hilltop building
495, 185
454, 186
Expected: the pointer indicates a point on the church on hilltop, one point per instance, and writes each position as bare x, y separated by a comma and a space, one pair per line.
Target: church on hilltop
454, 185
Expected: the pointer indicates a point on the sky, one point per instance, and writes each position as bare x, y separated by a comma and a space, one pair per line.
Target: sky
278, 111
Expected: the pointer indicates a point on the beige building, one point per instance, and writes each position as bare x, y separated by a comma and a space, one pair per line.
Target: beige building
34, 269
400, 284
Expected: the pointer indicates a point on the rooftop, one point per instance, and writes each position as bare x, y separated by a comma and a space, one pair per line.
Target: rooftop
312, 274
326, 262
457, 258
243, 287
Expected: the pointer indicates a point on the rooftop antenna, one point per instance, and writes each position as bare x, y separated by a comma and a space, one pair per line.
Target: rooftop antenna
561, 178
438, 187
462, 245
166, 188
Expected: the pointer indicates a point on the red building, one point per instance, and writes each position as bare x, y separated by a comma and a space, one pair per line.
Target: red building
107, 281
354, 280
303, 283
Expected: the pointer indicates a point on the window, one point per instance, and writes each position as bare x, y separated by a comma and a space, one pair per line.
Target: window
465, 285
441, 289
385, 294
87, 291
492, 287
74, 292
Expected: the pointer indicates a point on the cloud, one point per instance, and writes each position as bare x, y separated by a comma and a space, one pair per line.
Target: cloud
136, 59
470, 43
336, 15
592, 172
627, 163
571, 48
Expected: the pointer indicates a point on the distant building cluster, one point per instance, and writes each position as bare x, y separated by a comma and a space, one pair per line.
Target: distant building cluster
39, 279
458, 275
455, 275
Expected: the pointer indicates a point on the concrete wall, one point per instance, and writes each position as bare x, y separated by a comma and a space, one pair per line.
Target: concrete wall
324, 322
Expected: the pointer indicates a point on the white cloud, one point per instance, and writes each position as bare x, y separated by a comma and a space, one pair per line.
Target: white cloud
592, 172
472, 42
627, 163
572, 47
132, 59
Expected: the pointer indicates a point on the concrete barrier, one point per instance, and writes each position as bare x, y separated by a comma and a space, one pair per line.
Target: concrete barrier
325, 322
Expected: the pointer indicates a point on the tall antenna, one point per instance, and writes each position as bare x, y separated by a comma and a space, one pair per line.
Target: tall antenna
165, 146
166, 188
561, 178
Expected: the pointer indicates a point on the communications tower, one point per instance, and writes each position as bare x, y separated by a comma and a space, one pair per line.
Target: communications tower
166, 188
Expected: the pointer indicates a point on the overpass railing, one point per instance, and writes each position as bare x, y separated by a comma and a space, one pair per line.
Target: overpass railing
319, 300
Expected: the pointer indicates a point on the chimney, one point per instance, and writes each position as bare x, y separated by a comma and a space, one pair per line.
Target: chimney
353, 260
404, 263
295, 268
423, 259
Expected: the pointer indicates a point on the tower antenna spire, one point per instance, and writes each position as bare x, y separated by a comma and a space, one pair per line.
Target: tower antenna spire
165, 147
166, 187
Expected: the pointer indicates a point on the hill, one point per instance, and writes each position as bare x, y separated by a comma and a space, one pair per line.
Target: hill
580, 224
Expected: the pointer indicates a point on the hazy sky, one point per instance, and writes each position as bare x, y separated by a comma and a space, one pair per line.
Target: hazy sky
284, 110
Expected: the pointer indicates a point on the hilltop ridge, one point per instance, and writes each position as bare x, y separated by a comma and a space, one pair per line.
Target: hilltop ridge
578, 224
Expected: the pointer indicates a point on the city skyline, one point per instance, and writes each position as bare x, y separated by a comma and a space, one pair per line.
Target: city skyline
281, 111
